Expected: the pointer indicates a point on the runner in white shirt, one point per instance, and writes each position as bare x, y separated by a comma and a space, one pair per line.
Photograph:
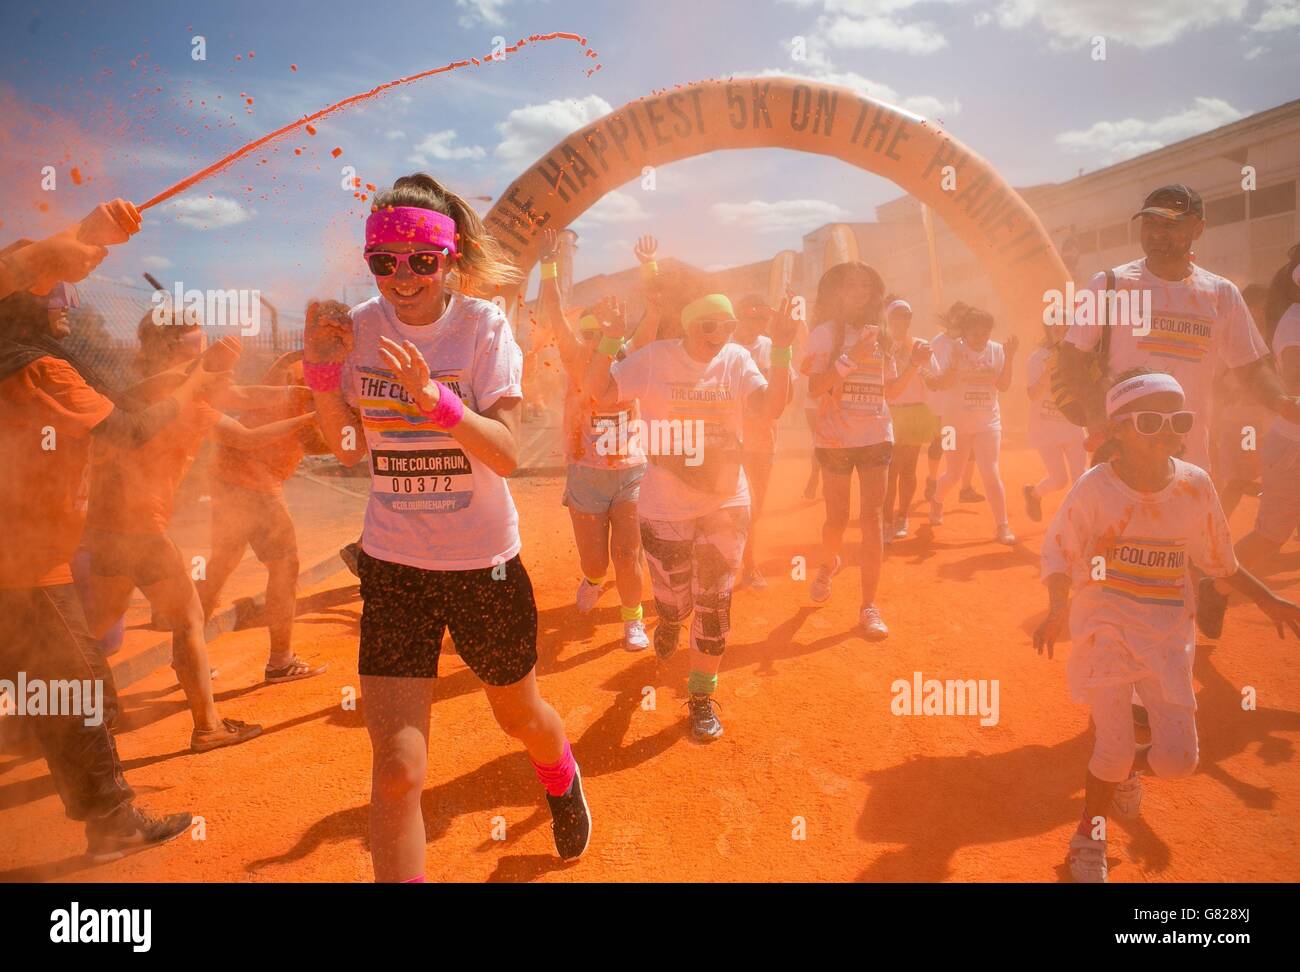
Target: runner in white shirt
851, 374
694, 508
428, 383
973, 371
1059, 441
759, 434
1198, 321
1279, 500
1124, 541
604, 459
915, 424
939, 402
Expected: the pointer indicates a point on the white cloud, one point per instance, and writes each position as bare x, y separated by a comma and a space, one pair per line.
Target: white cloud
761, 216
1117, 140
529, 131
1278, 15
1255, 52
482, 11
1073, 23
156, 262
207, 212
440, 146
614, 207
395, 134
878, 24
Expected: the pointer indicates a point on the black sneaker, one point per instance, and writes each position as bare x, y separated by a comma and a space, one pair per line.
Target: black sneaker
1210, 608
666, 639
127, 829
1033, 504
705, 726
571, 820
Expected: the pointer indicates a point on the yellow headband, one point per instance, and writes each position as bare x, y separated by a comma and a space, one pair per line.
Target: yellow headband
705, 306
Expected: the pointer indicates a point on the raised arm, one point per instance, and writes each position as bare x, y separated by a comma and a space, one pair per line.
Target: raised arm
598, 383
550, 302
327, 341
237, 435
647, 328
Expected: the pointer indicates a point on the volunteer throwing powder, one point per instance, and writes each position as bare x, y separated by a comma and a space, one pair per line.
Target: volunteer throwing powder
431, 376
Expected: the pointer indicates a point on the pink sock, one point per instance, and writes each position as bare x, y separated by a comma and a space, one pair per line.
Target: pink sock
414, 880
558, 776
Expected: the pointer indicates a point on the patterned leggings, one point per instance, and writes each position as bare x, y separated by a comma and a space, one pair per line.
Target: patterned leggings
692, 566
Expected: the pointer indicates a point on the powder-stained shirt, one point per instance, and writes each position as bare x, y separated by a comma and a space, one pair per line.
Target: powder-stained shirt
1128, 555
694, 408
972, 403
432, 505
852, 413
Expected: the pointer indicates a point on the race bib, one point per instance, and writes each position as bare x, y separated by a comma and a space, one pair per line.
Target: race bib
978, 399
1146, 570
422, 480
864, 391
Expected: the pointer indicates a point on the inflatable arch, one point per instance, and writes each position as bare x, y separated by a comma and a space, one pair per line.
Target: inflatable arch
742, 113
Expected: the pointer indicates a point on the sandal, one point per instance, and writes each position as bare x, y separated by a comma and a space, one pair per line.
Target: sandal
292, 672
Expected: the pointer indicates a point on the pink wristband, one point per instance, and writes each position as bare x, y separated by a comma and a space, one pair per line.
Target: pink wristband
322, 377
449, 410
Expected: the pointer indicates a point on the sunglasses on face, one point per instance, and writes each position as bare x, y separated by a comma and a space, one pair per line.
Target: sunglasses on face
1153, 423
711, 326
422, 263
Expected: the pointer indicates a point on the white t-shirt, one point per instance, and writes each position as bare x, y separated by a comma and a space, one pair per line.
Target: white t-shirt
1197, 325
972, 404
599, 438
1287, 336
1138, 619
431, 505
914, 392
707, 401
853, 413
1047, 426
940, 401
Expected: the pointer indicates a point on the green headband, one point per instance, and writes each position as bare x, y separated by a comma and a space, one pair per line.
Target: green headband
709, 304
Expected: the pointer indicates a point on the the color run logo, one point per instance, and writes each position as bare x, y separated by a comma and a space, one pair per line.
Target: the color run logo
1130, 307
60, 697
211, 308
658, 437
950, 697
133, 926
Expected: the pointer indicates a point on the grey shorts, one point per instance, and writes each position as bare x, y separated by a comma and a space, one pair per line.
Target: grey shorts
1279, 500
597, 491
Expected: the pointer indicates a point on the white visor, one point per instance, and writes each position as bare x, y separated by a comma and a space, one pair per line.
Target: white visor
898, 305
1137, 387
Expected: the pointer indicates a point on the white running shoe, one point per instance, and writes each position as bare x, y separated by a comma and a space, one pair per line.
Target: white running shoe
634, 636
1004, 535
1128, 798
1087, 859
587, 596
936, 513
821, 585
873, 626
900, 529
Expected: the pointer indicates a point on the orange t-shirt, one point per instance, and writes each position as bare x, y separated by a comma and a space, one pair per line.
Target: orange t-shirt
134, 490
46, 413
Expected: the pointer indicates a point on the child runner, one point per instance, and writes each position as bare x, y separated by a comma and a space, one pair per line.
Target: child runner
132, 497
759, 434
431, 376
248, 509
1123, 541
942, 405
605, 462
915, 424
851, 373
1059, 441
694, 505
976, 370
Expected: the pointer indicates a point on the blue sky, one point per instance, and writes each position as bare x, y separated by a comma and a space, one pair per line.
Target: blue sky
1012, 78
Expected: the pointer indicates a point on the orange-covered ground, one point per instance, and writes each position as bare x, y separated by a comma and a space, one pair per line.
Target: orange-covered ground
809, 735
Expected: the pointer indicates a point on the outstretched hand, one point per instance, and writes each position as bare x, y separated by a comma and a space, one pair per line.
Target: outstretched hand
411, 370
784, 327
646, 248
1284, 614
1047, 633
550, 246
327, 337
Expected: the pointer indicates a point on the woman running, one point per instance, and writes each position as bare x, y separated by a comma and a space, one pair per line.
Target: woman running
759, 434
1151, 517
975, 370
431, 377
915, 425
851, 373
694, 505
1058, 440
940, 402
605, 460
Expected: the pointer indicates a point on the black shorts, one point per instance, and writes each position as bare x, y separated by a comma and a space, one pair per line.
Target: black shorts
862, 458
405, 611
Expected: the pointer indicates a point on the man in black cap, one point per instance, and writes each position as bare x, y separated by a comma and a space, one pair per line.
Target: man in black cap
1194, 324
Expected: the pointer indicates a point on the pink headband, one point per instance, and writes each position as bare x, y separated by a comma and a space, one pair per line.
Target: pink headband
411, 224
